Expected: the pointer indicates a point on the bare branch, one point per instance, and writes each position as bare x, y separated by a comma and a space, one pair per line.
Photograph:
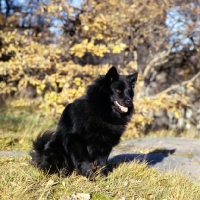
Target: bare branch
173, 87
159, 59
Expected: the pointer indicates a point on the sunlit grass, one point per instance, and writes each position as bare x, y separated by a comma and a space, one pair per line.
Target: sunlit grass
191, 133
19, 127
19, 180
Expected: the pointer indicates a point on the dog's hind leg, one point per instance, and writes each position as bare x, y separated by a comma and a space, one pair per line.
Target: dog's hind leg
48, 154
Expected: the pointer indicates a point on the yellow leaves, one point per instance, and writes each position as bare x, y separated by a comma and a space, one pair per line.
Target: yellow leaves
79, 49
2, 86
99, 36
99, 50
33, 81
52, 8
144, 18
58, 51
20, 103
140, 83
133, 6
77, 81
88, 46
116, 49
99, 26
190, 86
60, 8
86, 28
9, 37
165, 102
177, 114
22, 83
51, 95
52, 103
133, 65
2, 69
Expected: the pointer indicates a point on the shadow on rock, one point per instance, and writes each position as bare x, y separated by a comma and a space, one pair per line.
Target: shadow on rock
152, 158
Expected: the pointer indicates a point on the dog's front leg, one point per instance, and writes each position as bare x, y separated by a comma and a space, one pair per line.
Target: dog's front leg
100, 158
80, 157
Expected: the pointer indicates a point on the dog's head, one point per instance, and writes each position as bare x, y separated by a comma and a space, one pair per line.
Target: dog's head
121, 90
111, 96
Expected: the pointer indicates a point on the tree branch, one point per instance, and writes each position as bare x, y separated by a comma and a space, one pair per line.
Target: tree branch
155, 60
173, 87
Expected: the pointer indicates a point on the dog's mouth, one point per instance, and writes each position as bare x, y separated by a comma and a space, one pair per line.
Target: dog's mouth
121, 108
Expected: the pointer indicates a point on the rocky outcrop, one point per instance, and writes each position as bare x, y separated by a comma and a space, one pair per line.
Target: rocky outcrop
165, 154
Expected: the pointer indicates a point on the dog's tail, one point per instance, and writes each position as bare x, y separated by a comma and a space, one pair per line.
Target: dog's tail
41, 140
38, 152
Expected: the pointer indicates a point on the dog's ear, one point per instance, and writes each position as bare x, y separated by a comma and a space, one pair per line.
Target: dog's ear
133, 78
112, 75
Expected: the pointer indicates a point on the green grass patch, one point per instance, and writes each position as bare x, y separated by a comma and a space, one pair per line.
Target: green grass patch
19, 127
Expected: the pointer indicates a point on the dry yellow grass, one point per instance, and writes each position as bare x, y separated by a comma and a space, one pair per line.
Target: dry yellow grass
19, 180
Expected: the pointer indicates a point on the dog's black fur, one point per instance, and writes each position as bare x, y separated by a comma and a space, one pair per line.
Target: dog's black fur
88, 128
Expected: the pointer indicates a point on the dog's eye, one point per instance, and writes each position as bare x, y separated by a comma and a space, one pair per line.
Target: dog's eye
118, 91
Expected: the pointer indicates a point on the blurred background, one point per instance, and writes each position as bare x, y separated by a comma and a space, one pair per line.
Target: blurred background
51, 50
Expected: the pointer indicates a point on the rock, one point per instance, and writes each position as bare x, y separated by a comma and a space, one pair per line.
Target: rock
164, 154
12, 153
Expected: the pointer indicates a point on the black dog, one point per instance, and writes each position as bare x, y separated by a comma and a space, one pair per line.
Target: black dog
88, 128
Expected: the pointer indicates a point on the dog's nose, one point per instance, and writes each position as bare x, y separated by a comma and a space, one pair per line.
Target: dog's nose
128, 102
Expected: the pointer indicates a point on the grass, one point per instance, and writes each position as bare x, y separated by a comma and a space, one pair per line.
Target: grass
19, 127
19, 180
191, 133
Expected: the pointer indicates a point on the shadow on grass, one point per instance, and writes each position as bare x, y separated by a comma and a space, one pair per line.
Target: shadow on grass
151, 158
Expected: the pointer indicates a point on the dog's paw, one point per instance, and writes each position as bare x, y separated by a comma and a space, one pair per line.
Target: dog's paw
95, 166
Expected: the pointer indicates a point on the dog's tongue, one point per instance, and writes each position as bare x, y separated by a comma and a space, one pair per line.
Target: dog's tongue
124, 109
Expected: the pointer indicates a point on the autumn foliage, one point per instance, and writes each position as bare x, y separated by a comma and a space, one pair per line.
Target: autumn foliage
40, 50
